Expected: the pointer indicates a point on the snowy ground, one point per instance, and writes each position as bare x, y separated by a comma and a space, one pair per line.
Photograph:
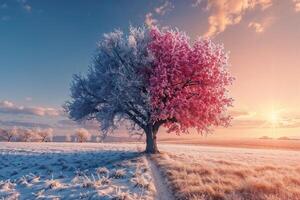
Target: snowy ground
119, 171
73, 171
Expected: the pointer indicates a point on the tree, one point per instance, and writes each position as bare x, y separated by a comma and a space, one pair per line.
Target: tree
25, 135
82, 135
8, 134
152, 78
45, 135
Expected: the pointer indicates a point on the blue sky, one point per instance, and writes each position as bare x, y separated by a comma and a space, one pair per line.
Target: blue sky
44, 42
42, 47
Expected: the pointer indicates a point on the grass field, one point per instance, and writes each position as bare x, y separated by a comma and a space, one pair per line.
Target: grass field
241, 143
230, 173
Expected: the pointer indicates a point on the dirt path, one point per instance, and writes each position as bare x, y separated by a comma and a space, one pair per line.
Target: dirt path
162, 190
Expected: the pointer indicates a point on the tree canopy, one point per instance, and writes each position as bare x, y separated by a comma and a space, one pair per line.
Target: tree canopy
153, 77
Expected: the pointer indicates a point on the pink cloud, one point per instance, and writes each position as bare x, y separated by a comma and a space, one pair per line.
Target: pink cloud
149, 20
160, 10
28, 98
297, 5
164, 8
260, 27
245, 119
10, 108
230, 12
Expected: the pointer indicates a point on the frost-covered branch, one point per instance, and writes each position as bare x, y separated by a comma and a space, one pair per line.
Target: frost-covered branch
114, 87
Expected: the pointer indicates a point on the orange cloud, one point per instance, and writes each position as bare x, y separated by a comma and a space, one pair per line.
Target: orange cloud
297, 5
10, 108
261, 26
258, 27
239, 113
230, 12
244, 119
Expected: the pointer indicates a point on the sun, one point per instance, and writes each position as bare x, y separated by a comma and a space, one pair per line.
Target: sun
274, 117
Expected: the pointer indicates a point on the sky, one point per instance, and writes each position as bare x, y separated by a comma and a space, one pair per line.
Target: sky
43, 43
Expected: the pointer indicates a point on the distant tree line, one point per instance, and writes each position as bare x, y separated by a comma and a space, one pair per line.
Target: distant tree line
17, 134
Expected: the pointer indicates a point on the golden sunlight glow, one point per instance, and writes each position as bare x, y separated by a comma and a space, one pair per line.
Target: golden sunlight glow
274, 120
274, 117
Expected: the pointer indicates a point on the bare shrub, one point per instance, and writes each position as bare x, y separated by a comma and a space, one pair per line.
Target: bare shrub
45, 135
26, 135
8, 134
82, 135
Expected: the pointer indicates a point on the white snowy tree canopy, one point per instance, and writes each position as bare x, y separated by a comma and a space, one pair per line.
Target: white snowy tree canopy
115, 87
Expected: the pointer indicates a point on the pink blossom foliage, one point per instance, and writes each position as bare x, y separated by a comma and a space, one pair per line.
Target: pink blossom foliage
188, 83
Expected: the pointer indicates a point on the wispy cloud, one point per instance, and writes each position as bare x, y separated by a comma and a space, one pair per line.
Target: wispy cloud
260, 27
69, 124
3, 6
5, 18
244, 119
10, 108
41, 119
12, 123
196, 3
164, 8
25, 5
248, 123
297, 5
160, 10
149, 20
230, 12
28, 98
241, 113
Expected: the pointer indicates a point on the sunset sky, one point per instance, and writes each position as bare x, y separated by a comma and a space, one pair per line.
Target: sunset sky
43, 43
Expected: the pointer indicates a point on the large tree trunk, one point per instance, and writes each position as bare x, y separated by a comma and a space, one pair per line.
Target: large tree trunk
151, 146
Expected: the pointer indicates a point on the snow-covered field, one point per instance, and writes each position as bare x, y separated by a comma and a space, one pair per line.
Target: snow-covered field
73, 171
119, 171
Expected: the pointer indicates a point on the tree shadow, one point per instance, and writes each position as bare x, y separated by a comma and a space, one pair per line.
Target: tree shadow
44, 164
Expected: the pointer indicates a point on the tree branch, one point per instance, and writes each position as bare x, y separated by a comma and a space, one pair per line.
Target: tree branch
133, 118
